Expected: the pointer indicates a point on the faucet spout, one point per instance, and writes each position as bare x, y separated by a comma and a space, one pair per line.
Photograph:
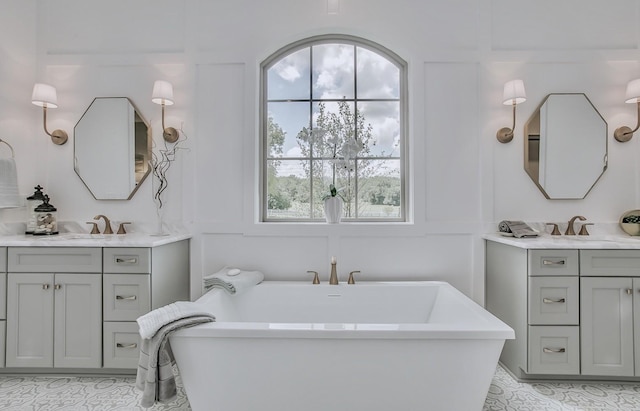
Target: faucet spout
570, 230
107, 223
333, 277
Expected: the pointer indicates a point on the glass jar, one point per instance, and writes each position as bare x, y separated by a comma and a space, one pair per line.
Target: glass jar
33, 201
46, 218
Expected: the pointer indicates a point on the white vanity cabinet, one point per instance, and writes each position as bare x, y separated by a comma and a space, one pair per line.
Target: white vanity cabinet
53, 307
576, 312
74, 308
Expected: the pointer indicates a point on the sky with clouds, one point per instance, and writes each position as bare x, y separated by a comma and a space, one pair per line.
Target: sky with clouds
333, 77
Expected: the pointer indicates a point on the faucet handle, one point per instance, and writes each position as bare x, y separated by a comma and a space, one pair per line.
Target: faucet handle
94, 229
351, 280
583, 229
555, 230
316, 280
121, 229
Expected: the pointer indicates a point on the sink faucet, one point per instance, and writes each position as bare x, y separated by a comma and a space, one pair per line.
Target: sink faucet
107, 223
333, 278
570, 226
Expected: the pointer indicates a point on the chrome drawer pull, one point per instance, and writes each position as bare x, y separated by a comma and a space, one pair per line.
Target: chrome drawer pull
128, 297
553, 350
550, 262
126, 260
629, 291
129, 346
550, 301
45, 286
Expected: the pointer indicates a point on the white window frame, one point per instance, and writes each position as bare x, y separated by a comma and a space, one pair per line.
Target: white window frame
403, 110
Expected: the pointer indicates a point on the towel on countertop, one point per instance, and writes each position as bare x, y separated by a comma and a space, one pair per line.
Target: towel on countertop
519, 229
232, 280
153, 321
155, 365
9, 196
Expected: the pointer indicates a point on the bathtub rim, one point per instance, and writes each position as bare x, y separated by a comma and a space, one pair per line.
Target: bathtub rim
491, 327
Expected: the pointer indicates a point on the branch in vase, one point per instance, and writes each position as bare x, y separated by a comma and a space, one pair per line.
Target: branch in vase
161, 162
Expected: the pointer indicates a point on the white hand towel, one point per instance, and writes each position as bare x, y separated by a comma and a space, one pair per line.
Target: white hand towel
9, 196
238, 281
152, 321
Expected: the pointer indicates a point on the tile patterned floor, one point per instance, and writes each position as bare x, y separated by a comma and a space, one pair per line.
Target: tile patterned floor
29, 393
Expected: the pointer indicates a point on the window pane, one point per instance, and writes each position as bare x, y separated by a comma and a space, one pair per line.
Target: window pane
322, 177
288, 79
284, 123
333, 71
334, 129
377, 77
379, 189
382, 130
288, 189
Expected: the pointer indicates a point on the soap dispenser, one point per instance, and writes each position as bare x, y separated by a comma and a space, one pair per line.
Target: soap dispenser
46, 218
33, 201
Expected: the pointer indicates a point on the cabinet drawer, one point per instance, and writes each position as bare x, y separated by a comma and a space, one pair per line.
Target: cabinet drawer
554, 350
121, 345
614, 263
126, 296
127, 260
553, 262
53, 260
553, 301
3, 259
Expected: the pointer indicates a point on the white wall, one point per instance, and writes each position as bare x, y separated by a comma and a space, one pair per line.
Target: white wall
460, 53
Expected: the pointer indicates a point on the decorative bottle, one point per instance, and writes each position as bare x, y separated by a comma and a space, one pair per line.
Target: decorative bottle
33, 201
46, 218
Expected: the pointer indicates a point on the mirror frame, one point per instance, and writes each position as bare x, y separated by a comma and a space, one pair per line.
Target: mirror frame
526, 135
149, 148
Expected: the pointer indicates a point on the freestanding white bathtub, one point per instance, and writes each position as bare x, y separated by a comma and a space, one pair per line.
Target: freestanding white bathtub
293, 346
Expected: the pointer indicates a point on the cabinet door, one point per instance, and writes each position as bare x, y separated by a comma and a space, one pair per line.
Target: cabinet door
78, 320
29, 320
606, 326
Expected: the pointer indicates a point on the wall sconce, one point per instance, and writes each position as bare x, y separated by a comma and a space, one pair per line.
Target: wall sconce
513, 95
163, 95
45, 96
624, 133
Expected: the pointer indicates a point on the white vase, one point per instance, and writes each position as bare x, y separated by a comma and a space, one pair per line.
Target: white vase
333, 209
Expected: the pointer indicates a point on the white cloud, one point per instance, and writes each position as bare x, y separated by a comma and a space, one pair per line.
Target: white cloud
289, 73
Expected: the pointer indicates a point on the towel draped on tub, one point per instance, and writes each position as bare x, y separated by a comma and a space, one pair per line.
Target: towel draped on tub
233, 280
155, 365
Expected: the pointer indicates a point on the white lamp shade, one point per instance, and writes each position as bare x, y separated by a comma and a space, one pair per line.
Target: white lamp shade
44, 95
633, 91
162, 93
514, 93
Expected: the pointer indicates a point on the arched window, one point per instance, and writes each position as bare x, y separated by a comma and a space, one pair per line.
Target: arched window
333, 113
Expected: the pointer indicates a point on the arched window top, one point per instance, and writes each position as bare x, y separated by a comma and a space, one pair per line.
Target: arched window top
338, 66
333, 113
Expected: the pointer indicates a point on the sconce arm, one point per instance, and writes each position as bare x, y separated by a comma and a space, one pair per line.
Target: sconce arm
169, 134
59, 137
624, 133
505, 134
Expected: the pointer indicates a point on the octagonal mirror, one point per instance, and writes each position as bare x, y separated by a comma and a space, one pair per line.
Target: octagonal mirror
565, 150
112, 148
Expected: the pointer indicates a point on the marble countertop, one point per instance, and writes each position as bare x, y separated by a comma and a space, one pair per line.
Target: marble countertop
90, 240
547, 241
